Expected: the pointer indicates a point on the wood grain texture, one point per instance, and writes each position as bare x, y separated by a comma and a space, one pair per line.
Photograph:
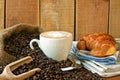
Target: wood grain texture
112, 78
91, 16
1, 14
57, 15
114, 21
22, 11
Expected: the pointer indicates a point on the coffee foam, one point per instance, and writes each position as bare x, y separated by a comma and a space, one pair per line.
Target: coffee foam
56, 34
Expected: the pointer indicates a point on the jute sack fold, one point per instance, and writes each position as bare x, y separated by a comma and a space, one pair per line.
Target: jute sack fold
6, 33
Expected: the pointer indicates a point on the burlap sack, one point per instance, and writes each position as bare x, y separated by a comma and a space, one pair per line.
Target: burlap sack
6, 33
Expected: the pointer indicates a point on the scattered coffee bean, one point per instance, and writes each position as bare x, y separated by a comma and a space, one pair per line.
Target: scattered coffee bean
18, 45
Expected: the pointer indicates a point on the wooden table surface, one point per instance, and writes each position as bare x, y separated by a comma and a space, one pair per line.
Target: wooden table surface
113, 78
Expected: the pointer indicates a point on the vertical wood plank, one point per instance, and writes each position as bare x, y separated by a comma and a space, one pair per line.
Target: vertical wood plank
114, 21
22, 11
1, 14
91, 16
57, 15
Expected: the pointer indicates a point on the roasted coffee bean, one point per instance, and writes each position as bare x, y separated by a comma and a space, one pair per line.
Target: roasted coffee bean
50, 69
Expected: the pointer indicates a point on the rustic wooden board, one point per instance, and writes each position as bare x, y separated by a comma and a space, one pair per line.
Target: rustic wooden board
113, 78
1, 14
57, 15
114, 22
22, 11
92, 16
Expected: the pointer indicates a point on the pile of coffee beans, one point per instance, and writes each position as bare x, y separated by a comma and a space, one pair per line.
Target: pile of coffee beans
18, 45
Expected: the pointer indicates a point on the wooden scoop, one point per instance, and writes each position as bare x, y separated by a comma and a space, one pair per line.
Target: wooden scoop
8, 75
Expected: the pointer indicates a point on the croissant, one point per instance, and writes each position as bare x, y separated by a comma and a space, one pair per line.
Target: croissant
100, 44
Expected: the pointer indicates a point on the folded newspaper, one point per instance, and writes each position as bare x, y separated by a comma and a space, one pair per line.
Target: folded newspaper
105, 66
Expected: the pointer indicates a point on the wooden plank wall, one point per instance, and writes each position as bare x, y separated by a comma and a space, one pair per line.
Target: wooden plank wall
1, 14
91, 16
79, 17
114, 18
57, 15
22, 11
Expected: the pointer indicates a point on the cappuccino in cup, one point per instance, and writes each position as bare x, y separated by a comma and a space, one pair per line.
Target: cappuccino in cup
54, 44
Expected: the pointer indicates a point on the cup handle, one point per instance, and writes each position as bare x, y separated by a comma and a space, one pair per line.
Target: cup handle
32, 41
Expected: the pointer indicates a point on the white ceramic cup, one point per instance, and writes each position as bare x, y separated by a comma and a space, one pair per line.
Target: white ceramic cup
54, 44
